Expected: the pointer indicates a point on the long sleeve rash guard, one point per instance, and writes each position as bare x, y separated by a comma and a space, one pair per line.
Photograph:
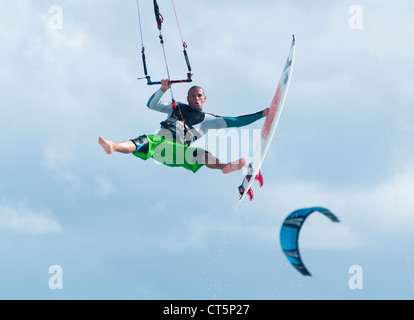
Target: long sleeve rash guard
197, 122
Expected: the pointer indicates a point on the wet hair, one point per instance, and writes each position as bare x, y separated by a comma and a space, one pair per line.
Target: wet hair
195, 88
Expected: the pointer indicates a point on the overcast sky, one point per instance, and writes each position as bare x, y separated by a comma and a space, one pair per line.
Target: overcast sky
122, 228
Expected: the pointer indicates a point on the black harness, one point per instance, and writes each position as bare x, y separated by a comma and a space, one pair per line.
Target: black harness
190, 117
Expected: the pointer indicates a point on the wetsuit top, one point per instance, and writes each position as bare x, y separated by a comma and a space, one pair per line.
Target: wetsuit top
197, 122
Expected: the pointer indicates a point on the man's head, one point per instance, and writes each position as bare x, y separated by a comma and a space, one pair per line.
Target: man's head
196, 97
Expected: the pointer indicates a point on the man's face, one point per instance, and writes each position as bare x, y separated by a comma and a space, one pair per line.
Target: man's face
196, 99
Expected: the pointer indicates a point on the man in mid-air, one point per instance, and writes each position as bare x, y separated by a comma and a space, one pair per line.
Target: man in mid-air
185, 124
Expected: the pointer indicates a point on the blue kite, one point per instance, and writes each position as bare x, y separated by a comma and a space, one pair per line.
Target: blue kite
289, 235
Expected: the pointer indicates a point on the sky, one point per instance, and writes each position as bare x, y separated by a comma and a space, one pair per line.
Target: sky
76, 223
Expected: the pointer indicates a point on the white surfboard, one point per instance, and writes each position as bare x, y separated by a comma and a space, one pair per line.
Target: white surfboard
268, 129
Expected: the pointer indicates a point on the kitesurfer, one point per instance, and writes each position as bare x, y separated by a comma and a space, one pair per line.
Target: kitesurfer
184, 125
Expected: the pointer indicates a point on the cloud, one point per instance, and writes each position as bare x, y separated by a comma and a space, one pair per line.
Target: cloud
57, 156
381, 211
390, 205
319, 232
105, 186
17, 218
190, 235
60, 161
368, 215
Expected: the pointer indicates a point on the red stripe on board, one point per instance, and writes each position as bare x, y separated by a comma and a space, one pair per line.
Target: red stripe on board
272, 113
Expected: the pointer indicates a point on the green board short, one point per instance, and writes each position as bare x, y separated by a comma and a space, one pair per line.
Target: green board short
168, 152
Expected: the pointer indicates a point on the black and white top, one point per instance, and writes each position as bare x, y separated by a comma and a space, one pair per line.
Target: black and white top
197, 122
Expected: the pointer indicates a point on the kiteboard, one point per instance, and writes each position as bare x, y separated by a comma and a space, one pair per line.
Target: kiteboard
268, 130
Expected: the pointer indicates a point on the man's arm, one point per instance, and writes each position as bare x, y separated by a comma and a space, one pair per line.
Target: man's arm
217, 122
155, 103
236, 122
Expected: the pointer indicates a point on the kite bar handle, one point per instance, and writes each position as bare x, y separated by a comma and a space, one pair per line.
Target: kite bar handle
150, 82
187, 60
144, 62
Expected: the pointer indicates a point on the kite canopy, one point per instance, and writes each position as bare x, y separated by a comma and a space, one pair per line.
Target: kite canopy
289, 235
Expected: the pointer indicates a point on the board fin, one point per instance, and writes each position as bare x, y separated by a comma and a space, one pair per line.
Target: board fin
250, 194
241, 190
259, 178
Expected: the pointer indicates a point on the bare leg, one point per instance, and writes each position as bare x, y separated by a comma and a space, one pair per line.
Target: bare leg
234, 166
123, 147
213, 163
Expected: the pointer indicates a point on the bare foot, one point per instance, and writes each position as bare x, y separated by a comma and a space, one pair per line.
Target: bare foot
107, 145
234, 166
